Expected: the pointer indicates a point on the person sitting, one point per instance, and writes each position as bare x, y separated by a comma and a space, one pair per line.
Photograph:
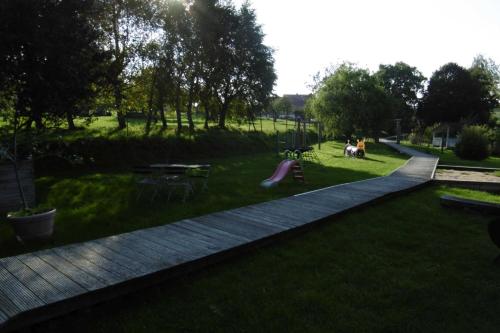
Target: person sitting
348, 144
360, 148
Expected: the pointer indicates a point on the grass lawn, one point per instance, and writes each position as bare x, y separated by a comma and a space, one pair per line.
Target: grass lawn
100, 204
105, 126
449, 157
403, 265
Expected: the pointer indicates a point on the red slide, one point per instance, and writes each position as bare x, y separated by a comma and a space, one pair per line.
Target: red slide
281, 171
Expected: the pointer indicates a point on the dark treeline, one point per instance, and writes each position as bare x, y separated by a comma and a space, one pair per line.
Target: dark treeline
60, 59
353, 101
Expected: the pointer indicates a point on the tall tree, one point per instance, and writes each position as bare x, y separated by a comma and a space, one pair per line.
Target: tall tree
486, 73
256, 62
126, 26
404, 84
453, 95
350, 101
51, 57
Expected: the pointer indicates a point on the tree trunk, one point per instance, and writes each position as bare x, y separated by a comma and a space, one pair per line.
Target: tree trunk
223, 113
207, 115
162, 115
190, 109
178, 108
150, 103
120, 116
122, 123
69, 119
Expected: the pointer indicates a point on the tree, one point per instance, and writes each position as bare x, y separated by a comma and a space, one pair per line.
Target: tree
404, 84
256, 63
453, 95
126, 27
486, 73
282, 106
351, 100
50, 58
234, 62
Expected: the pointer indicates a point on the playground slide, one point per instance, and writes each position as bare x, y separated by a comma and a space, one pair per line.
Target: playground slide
281, 171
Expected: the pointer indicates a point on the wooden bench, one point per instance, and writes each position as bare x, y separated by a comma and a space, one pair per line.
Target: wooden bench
480, 206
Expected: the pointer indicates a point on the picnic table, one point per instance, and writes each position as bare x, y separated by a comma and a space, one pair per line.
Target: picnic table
182, 176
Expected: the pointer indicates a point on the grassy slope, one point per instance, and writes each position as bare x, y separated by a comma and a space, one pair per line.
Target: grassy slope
404, 265
106, 127
95, 205
449, 157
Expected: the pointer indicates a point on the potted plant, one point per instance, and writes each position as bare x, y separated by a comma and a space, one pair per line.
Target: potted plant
28, 223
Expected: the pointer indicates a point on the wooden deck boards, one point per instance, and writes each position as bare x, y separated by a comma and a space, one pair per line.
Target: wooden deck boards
70, 275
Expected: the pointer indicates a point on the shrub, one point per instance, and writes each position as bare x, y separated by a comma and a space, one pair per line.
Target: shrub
416, 138
473, 143
496, 144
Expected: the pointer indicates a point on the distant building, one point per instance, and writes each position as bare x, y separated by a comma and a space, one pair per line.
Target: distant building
298, 101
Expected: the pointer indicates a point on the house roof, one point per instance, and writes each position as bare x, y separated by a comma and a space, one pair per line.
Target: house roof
298, 101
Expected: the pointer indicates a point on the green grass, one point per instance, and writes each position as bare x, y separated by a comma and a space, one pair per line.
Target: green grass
404, 265
449, 157
99, 204
106, 126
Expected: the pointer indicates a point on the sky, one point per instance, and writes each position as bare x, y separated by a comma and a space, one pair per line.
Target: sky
310, 35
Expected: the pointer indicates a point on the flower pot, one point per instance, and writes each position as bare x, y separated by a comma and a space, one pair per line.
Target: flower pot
37, 226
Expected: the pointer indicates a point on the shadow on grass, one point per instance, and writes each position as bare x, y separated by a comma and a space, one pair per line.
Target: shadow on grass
101, 204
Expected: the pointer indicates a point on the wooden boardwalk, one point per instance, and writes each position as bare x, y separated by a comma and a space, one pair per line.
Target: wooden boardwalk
38, 286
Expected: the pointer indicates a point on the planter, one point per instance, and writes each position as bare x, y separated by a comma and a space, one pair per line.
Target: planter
38, 226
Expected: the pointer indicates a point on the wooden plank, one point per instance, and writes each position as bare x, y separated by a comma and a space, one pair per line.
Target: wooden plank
271, 228
260, 215
227, 226
3, 317
260, 211
84, 251
256, 218
167, 247
291, 209
320, 201
34, 282
23, 298
61, 282
302, 202
200, 226
138, 260
157, 236
229, 222
477, 205
219, 243
7, 306
169, 233
84, 264
190, 237
211, 233
140, 252
79, 276
125, 258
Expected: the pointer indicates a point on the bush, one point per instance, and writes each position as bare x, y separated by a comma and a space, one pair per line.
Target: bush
473, 143
496, 144
126, 152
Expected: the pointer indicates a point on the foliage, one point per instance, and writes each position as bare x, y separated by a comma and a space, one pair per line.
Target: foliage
50, 59
454, 95
473, 143
351, 101
282, 107
404, 84
487, 75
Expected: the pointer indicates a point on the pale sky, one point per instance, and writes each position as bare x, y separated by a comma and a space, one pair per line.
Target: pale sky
310, 35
